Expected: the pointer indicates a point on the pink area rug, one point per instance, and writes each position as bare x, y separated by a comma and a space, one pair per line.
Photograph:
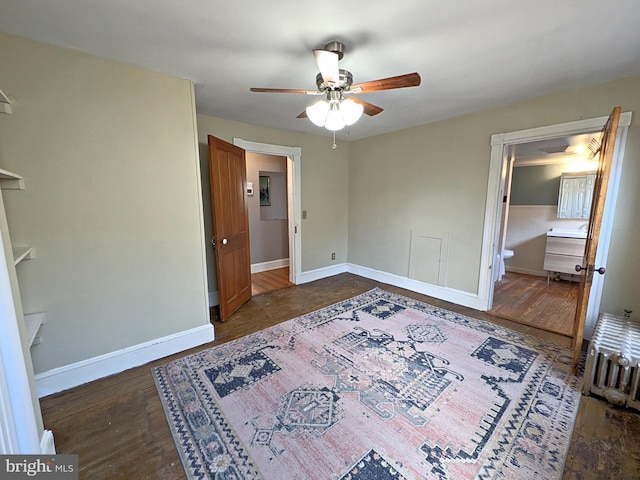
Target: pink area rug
376, 387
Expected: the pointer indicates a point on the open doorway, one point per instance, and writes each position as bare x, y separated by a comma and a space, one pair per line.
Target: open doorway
493, 243
268, 221
543, 230
273, 176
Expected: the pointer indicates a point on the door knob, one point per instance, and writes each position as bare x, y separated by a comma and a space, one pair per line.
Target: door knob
600, 270
225, 241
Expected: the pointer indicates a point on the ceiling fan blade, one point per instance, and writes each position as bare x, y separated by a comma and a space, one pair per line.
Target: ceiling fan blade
303, 114
369, 108
401, 81
328, 65
285, 90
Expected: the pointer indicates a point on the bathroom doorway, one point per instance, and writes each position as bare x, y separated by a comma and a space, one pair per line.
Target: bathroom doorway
496, 201
526, 289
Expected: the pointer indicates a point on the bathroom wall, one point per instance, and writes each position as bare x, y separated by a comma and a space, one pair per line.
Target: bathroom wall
532, 213
526, 236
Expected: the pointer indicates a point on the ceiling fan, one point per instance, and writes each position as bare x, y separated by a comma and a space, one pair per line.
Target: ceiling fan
336, 111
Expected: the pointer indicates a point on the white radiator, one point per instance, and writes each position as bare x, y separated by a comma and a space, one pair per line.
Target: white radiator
612, 368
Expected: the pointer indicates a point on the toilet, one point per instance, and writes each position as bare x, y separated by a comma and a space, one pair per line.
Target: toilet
506, 254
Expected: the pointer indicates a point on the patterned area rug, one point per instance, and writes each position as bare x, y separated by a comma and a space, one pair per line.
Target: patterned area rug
380, 387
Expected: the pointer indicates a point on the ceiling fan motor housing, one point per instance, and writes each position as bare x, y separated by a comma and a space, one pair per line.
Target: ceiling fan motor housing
346, 79
335, 47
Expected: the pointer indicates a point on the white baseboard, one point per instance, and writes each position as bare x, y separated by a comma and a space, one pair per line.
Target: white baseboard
324, 272
69, 376
272, 265
47, 445
443, 293
526, 271
543, 273
213, 299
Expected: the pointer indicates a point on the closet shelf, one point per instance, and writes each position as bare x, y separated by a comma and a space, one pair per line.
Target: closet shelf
10, 180
33, 322
22, 253
5, 104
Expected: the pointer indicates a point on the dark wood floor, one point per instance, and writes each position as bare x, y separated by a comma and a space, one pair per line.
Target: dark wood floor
118, 428
529, 300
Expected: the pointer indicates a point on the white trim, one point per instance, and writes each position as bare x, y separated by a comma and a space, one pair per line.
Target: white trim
558, 130
527, 271
19, 431
324, 272
499, 142
8, 433
69, 376
448, 294
443, 293
293, 155
214, 299
198, 180
272, 265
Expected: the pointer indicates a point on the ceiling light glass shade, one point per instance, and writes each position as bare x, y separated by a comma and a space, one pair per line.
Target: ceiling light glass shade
351, 111
317, 112
328, 65
335, 120
334, 114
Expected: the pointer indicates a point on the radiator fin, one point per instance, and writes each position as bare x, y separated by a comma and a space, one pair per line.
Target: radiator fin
613, 361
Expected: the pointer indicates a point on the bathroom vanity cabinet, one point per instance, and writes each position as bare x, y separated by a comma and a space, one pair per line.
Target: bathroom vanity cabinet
564, 250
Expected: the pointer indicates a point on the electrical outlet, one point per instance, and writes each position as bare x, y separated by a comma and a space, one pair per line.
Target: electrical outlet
333, 256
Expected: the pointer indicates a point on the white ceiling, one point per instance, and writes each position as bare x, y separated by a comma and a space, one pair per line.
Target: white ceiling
471, 54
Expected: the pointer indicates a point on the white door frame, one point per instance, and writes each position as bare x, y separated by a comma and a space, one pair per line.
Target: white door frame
293, 155
499, 144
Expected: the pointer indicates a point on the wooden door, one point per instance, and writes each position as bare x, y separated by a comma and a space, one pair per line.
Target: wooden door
588, 267
228, 177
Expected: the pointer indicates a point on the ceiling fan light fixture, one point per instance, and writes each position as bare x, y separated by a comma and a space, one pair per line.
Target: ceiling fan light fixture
335, 120
351, 111
317, 112
336, 112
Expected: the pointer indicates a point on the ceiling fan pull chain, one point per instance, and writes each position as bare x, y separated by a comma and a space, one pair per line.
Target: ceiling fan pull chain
334, 146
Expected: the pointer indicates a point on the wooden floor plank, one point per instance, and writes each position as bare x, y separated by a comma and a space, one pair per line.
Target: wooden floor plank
264, 282
529, 300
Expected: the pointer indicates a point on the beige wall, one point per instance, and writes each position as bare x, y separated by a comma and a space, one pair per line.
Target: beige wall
324, 188
435, 177
109, 157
